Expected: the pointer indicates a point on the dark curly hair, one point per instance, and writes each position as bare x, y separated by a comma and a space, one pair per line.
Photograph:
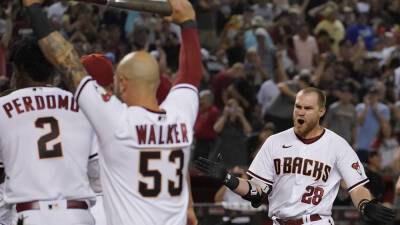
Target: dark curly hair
29, 59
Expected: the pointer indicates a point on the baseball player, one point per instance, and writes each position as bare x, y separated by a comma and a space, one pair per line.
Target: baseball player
144, 147
299, 171
45, 145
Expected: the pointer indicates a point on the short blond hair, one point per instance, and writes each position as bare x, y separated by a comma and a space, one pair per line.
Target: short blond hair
320, 93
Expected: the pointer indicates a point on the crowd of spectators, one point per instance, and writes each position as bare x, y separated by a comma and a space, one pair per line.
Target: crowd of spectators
256, 55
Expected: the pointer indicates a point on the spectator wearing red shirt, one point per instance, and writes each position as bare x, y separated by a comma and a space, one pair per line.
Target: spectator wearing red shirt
222, 81
203, 128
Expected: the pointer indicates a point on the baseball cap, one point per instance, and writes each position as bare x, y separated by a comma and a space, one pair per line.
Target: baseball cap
261, 31
99, 67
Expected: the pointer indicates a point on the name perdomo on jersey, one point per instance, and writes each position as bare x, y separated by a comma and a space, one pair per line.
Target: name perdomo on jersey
306, 167
161, 134
32, 103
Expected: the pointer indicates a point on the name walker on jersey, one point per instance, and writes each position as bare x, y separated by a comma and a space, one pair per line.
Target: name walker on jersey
151, 134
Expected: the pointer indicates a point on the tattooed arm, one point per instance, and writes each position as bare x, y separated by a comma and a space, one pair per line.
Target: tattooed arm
63, 56
57, 50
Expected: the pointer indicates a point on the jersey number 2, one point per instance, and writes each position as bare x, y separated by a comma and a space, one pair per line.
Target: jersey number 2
44, 151
313, 195
173, 189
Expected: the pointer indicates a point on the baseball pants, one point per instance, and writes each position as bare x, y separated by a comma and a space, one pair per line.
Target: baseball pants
98, 211
54, 212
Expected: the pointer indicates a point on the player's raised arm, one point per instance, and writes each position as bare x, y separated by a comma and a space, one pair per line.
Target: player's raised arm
57, 50
190, 65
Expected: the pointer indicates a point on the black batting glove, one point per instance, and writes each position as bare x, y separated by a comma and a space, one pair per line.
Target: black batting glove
217, 171
376, 212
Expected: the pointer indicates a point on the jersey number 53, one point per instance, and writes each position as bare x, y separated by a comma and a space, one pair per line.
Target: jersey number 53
173, 188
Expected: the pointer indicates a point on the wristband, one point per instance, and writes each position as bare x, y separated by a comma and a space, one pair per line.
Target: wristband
189, 24
40, 24
231, 182
362, 204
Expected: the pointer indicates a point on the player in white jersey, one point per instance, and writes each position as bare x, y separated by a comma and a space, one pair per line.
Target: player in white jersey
144, 147
45, 145
299, 171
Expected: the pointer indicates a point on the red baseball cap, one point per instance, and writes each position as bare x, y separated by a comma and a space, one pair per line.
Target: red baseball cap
99, 67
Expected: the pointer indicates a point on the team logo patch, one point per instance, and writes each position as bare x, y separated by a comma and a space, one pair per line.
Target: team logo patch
357, 167
106, 96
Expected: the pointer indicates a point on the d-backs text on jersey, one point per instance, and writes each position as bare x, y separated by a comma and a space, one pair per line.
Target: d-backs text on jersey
306, 167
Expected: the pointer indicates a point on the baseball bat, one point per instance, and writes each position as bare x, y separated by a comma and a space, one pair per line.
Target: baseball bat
161, 7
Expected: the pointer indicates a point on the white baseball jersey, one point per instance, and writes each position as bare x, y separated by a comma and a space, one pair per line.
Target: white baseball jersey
45, 145
305, 174
144, 155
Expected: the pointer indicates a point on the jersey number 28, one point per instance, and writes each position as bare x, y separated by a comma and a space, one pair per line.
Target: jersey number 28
44, 151
313, 195
173, 188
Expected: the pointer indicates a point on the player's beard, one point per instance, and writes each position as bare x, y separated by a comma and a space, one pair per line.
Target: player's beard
305, 127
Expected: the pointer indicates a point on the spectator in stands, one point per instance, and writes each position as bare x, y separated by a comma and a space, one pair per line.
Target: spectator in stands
223, 80
341, 116
206, 13
254, 69
243, 90
5, 37
305, 48
204, 132
232, 128
236, 53
376, 184
332, 26
232, 201
373, 170
56, 11
257, 139
269, 89
280, 111
370, 115
266, 9
387, 146
361, 30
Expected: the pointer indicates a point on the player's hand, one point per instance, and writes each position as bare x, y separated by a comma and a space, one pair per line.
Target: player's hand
31, 2
212, 169
377, 212
191, 217
182, 11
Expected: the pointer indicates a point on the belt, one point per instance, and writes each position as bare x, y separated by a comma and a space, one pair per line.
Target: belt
71, 204
313, 217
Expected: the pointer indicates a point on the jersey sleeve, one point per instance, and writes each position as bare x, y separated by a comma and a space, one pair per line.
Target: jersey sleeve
94, 151
262, 167
184, 99
102, 109
350, 167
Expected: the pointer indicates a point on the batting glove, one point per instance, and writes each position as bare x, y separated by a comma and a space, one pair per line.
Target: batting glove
217, 171
376, 211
